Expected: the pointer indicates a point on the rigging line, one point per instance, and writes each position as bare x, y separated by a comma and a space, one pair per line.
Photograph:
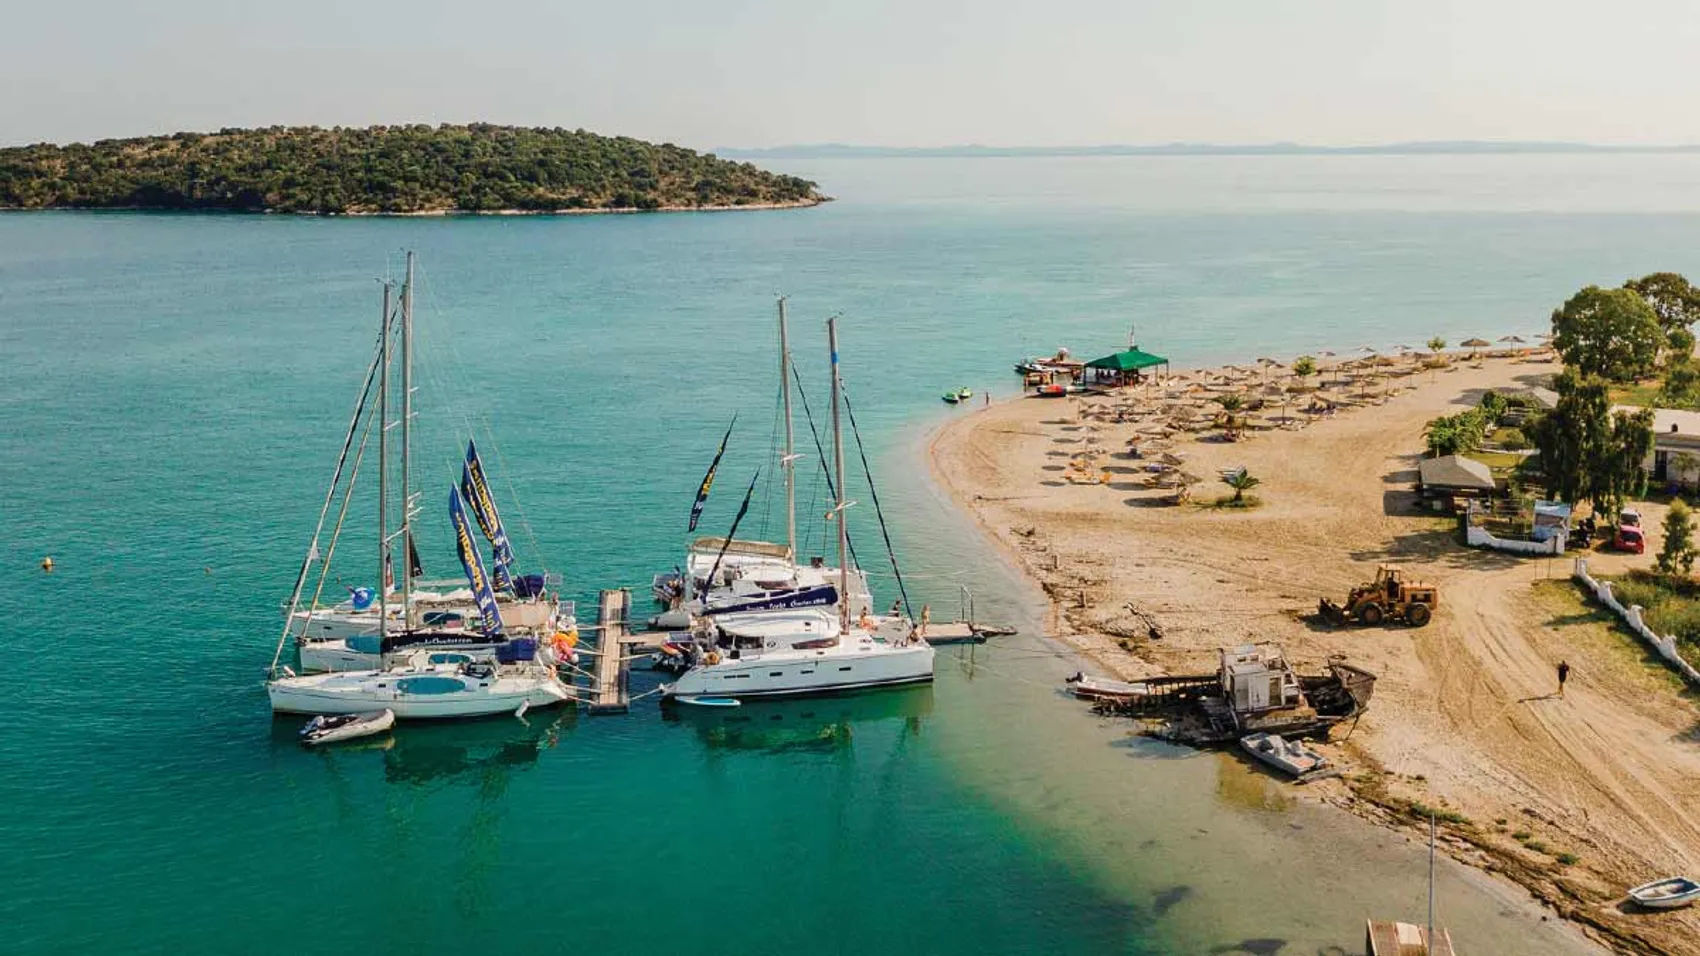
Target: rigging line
874, 495
826, 472
372, 415
330, 495
484, 430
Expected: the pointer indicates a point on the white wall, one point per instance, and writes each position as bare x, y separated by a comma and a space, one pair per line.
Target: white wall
1666, 646
1478, 537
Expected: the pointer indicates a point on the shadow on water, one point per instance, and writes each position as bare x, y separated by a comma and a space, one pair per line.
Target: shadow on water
419, 754
815, 724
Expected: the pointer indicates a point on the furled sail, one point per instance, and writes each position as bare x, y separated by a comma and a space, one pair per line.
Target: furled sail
473, 562
708, 479
475, 488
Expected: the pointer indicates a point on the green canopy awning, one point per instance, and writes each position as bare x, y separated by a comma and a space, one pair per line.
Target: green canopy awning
1129, 361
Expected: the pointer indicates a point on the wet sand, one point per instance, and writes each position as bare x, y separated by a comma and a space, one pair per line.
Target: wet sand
1464, 717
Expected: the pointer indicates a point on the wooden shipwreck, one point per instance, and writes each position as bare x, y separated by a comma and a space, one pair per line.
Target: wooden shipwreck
1254, 690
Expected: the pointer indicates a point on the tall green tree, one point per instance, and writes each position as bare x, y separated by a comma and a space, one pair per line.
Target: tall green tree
1677, 552
1572, 434
1618, 473
1679, 345
1671, 297
1611, 333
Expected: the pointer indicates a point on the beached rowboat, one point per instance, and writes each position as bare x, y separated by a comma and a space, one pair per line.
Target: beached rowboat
1102, 688
1666, 894
1288, 756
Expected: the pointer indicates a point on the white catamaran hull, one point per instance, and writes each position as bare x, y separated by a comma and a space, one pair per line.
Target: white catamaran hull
803, 672
413, 696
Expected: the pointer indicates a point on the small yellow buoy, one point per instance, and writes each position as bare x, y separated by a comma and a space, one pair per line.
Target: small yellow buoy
47, 564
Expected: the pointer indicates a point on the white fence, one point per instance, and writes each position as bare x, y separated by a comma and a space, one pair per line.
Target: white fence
1478, 537
1666, 646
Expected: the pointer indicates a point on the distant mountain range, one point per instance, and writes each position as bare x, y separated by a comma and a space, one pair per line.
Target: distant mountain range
1437, 147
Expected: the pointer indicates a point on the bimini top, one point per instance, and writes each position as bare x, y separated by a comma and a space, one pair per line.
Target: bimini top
1128, 361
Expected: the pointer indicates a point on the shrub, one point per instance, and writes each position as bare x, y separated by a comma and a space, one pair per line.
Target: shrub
1513, 439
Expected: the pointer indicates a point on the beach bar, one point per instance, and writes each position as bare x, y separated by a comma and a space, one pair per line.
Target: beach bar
1123, 368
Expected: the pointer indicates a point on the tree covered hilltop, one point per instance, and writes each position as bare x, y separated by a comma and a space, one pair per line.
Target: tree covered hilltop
386, 169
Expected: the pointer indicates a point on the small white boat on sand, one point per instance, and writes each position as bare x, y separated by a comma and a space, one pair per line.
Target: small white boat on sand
1291, 757
1103, 688
1666, 894
329, 730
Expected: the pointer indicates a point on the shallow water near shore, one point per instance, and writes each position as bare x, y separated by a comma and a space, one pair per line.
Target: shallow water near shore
174, 392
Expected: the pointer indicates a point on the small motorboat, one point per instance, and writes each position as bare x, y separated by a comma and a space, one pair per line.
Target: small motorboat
697, 701
951, 398
1288, 756
1102, 688
964, 393
1666, 894
333, 728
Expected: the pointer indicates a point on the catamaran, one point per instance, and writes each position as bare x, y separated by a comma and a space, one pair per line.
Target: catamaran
724, 575
431, 671
811, 651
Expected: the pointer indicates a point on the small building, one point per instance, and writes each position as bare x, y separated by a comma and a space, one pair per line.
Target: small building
1256, 678
1675, 461
1123, 368
1454, 476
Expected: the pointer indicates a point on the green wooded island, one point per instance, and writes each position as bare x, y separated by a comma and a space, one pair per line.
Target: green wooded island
396, 170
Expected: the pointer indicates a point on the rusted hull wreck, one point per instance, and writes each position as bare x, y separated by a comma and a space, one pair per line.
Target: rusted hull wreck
1255, 691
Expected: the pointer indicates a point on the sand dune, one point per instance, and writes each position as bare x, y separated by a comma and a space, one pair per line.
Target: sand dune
1465, 716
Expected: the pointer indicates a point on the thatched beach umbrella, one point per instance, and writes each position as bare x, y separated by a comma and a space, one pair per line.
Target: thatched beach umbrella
1513, 339
1475, 343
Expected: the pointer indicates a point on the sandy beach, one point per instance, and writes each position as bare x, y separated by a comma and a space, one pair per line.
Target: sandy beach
1465, 717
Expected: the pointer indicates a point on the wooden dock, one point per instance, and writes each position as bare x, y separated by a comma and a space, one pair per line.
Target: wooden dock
610, 692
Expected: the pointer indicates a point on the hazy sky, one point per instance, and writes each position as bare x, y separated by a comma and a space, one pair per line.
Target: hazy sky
889, 72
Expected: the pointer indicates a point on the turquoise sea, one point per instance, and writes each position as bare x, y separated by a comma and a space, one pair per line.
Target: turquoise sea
174, 391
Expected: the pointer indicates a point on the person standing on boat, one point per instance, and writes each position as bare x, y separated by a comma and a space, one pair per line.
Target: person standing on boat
1563, 675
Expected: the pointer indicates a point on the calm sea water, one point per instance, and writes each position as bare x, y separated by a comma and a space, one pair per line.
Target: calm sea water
174, 390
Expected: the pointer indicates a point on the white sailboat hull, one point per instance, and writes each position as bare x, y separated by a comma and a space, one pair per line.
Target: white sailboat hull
414, 695
796, 673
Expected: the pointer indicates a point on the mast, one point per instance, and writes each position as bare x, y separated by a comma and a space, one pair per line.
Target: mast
838, 471
406, 450
1429, 940
384, 465
790, 459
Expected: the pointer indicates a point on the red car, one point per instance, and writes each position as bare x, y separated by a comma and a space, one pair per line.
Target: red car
1629, 536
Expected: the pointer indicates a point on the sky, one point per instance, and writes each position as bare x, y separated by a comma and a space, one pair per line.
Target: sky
751, 73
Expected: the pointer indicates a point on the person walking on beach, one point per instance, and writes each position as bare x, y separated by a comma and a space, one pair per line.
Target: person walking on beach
1563, 675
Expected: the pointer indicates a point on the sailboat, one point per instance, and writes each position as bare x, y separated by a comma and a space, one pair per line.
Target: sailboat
724, 575
423, 672
824, 650
354, 634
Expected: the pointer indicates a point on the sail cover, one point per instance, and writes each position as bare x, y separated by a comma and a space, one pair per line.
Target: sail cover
473, 562
475, 488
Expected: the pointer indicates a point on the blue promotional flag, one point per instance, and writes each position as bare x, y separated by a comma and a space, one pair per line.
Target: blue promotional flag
473, 562
708, 479
475, 488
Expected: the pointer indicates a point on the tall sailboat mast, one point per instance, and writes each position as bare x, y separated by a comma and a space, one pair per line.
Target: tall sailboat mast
790, 460
406, 449
838, 471
384, 465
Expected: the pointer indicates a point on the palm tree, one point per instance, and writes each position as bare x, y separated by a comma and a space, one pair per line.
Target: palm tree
1241, 481
1231, 404
1436, 344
